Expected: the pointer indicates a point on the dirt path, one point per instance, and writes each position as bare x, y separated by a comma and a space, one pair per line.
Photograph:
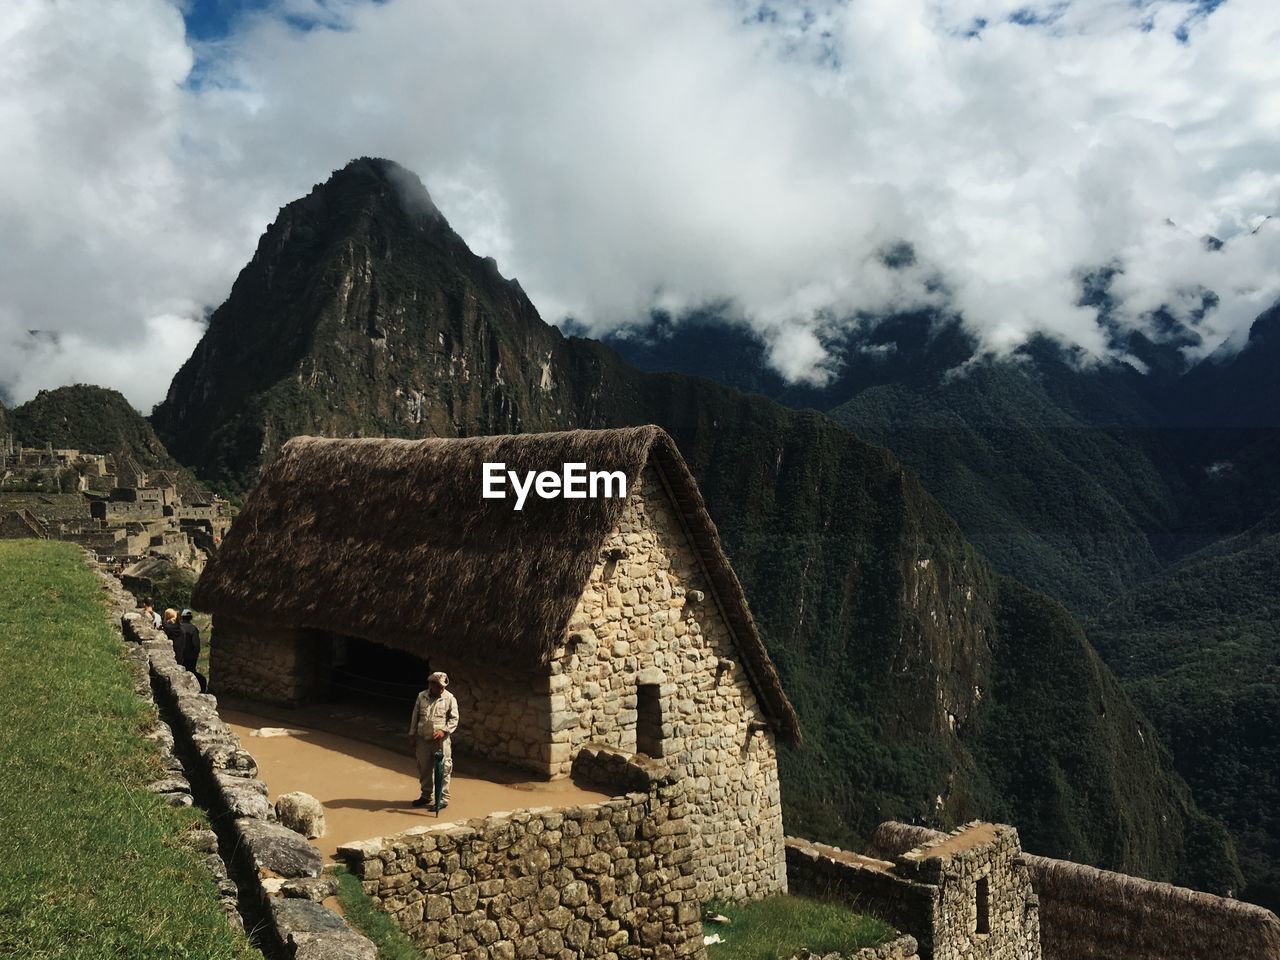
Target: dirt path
366, 790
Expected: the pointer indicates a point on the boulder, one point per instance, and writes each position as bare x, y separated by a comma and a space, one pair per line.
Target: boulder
278, 849
301, 812
312, 932
311, 888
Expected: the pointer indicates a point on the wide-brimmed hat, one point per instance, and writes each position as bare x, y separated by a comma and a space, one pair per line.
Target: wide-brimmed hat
440, 678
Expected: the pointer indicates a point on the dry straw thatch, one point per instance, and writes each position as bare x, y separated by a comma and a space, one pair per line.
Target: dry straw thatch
390, 540
1086, 913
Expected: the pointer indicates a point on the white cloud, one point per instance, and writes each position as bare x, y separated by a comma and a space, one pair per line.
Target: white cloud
668, 151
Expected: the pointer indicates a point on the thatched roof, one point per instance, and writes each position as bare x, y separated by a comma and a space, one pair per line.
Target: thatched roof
390, 540
1087, 913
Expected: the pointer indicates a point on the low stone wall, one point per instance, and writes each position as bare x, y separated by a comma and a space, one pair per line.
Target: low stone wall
821, 871
965, 895
614, 880
173, 786
277, 872
987, 907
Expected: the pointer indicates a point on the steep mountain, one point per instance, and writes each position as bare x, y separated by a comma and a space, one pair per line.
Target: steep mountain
1051, 470
919, 674
93, 419
1199, 648
1142, 497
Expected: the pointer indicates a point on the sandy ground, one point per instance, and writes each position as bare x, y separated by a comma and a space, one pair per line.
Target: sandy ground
366, 790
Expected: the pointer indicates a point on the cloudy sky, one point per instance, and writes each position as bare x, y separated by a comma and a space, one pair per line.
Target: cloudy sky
617, 157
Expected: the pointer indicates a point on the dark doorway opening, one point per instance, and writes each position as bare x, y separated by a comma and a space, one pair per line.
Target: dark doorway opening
648, 720
378, 676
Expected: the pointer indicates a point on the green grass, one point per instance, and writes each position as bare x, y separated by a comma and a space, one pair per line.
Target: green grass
92, 866
779, 927
363, 914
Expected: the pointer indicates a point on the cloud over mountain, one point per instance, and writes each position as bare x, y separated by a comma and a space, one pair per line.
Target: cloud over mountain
671, 153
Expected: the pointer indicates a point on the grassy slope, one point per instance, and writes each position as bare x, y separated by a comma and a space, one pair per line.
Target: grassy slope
93, 864
779, 927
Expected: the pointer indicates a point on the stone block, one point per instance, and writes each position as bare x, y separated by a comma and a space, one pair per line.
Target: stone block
301, 812
278, 849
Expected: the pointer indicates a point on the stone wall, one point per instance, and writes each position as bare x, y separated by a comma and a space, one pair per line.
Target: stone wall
818, 870
964, 896
899, 948
172, 785
117, 510
275, 665
987, 907
647, 618
505, 715
613, 880
276, 871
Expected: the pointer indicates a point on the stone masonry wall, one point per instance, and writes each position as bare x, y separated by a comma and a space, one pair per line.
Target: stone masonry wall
934, 891
277, 872
274, 665
505, 715
173, 786
612, 880
647, 616
960, 865
817, 870
899, 948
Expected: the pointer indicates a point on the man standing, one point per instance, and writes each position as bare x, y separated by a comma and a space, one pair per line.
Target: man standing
190, 654
435, 717
149, 611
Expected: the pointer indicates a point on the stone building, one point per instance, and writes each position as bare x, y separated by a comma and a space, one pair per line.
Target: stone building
966, 895
1081, 911
615, 621
22, 524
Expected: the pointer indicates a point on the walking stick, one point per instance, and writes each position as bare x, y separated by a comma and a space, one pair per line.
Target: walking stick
439, 779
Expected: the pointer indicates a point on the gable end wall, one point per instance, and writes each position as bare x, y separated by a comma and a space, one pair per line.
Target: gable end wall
639, 622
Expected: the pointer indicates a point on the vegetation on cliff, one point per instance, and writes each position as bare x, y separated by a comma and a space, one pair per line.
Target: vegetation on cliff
91, 419
1143, 499
1199, 648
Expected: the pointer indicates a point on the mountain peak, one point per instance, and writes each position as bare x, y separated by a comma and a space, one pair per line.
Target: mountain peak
385, 179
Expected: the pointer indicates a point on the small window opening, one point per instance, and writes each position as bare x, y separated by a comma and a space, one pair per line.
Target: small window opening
984, 905
648, 720
611, 559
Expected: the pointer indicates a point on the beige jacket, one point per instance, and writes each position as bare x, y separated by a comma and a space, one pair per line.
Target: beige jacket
430, 715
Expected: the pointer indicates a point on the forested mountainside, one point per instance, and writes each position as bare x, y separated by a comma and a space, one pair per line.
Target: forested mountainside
1196, 647
92, 419
1127, 490
929, 688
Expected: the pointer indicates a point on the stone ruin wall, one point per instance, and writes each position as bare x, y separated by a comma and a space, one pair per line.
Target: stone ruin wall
1012, 908
272, 664
935, 898
504, 715
612, 880
272, 874
648, 617
124, 510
